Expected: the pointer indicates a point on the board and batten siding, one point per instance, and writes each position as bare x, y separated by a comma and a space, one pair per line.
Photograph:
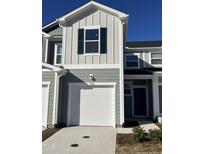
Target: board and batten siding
49, 76
92, 18
104, 75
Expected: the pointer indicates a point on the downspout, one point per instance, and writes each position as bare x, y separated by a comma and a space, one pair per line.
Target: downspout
58, 93
122, 73
60, 73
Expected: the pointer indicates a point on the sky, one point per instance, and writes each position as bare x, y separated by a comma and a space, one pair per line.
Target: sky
145, 16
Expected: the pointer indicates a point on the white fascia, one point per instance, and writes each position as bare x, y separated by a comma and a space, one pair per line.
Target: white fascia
45, 35
117, 13
91, 66
50, 24
53, 68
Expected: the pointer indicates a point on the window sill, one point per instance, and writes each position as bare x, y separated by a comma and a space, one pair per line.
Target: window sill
91, 54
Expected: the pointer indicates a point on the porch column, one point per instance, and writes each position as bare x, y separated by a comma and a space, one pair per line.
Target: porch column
155, 92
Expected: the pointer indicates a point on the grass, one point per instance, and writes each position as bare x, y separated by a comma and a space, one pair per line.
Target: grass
48, 133
127, 145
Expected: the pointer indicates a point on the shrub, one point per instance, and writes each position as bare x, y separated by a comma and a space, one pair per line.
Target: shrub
139, 134
155, 134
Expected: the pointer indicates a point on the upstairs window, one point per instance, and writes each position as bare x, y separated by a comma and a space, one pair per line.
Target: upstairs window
58, 54
156, 58
132, 60
92, 40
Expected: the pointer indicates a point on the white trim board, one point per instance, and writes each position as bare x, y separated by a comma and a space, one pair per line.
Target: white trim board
48, 90
121, 47
91, 66
54, 99
52, 67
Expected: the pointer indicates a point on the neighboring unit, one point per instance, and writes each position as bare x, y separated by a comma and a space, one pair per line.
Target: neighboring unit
92, 76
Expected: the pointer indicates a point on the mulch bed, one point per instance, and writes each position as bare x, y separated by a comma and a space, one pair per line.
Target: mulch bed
127, 145
159, 125
48, 133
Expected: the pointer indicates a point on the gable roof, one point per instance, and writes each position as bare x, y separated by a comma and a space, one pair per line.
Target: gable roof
93, 4
51, 26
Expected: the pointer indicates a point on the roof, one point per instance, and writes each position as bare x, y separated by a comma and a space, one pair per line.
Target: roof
53, 25
96, 5
52, 67
91, 4
144, 71
142, 44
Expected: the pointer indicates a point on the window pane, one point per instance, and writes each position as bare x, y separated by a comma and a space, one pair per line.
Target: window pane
58, 59
132, 58
92, 34
91, 47
156, 55
59, 49
156, 61
127, 91
131, 64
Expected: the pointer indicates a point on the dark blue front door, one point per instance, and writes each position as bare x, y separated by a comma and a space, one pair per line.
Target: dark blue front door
140, 102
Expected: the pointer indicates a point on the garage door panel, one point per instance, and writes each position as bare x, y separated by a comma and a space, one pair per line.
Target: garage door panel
96, 105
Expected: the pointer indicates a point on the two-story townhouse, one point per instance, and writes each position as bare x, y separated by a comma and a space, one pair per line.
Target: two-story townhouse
143, 80
91, 76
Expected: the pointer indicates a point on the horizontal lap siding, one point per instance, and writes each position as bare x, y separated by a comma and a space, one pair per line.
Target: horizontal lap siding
49, 76
43, 48
57, 31
102, 75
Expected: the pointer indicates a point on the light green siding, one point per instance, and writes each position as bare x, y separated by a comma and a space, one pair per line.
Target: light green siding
49, 76
101, 75
57, 31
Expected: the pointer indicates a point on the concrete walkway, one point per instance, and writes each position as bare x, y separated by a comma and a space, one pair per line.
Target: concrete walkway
102, 141
147, 124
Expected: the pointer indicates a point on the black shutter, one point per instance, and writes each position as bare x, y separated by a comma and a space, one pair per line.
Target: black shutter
103, 40
80, 41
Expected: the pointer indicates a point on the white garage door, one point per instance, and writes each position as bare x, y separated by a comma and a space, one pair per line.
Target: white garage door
44, 104
92, 105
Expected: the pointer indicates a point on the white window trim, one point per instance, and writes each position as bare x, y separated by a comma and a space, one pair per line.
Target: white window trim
131, 54
85, 41
55, 54
150, 55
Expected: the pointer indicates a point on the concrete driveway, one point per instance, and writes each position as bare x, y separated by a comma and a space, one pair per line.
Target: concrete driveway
101, 140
